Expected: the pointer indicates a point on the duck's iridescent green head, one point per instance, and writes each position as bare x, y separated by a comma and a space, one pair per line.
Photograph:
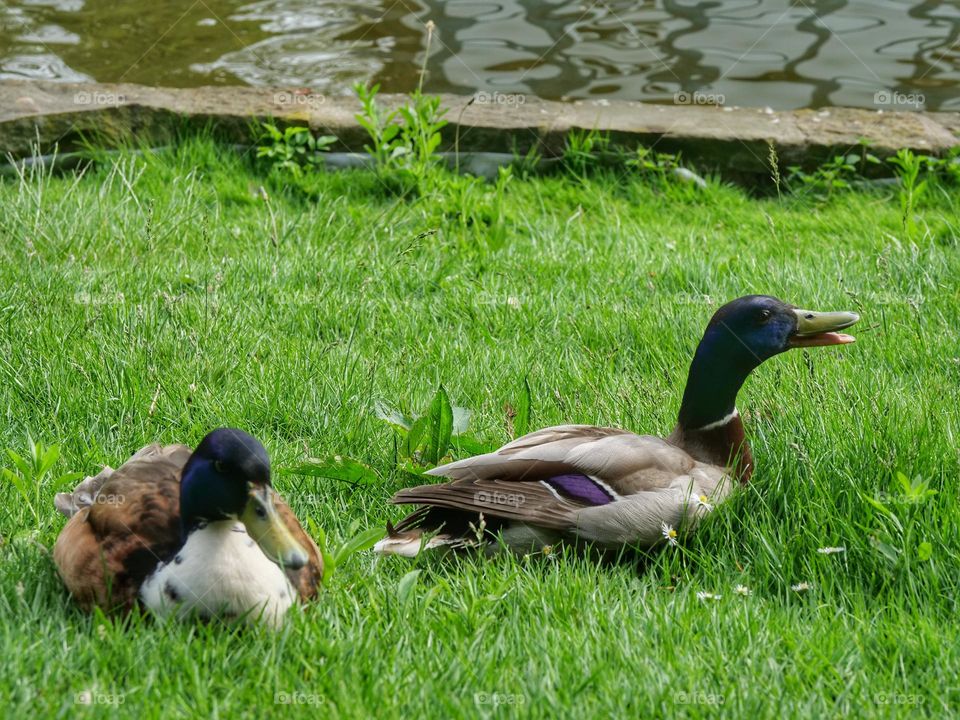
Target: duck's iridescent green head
228, 477
741, 335
757, 327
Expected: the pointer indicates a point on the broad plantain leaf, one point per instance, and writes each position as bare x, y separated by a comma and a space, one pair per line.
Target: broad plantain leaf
335, 467
521, 422
415, 437
392, 416
470, 445
439, 427
461, 419
358, 543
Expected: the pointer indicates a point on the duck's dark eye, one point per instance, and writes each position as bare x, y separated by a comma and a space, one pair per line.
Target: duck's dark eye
765, 314
218, 466
261, 512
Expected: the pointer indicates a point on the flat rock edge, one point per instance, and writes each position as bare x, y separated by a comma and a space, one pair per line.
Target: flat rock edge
57, 116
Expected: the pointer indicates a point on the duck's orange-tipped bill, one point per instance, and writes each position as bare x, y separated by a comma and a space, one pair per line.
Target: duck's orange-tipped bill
818, 329
822, 339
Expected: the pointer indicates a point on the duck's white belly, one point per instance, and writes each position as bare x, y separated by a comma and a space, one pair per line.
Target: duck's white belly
220, 572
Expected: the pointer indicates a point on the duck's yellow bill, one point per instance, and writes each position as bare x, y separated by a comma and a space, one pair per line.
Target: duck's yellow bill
815, 329
267, 528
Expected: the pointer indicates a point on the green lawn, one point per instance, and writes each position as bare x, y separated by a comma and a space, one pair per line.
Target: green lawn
157, 297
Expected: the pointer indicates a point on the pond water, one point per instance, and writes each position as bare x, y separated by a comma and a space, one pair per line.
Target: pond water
777, 53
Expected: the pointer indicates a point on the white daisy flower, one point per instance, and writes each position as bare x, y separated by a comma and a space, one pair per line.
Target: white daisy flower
743, 590
669, 534
704, 596
831, 550
704, 502
801, 587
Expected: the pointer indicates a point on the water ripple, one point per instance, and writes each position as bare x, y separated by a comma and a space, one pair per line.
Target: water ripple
779, 53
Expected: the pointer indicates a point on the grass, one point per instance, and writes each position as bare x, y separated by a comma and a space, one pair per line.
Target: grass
159, 296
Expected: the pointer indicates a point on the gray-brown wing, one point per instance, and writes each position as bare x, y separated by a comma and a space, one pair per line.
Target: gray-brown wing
109, 546
524, 501
625, 462
547, 477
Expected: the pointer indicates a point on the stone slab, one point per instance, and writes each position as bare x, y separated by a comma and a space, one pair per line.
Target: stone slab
728, 139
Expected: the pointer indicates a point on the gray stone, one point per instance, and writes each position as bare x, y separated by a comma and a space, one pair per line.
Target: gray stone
732, 140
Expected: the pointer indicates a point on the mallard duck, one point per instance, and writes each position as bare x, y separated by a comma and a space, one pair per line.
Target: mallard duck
607, 486
183, 533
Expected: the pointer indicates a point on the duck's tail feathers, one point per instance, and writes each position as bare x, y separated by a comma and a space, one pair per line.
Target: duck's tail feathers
410, 542
83, 495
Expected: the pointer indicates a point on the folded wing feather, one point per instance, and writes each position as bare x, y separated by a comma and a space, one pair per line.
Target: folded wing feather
626, 462
648, 480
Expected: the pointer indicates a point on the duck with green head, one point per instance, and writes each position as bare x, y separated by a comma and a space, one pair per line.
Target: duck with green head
188, 533
612, 487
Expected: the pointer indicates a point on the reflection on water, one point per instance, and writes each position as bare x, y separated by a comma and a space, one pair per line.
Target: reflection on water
785, 54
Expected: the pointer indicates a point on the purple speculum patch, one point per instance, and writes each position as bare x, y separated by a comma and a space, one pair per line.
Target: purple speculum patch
580, 487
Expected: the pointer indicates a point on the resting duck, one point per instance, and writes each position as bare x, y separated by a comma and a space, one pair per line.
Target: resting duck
611, 487
187, 533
